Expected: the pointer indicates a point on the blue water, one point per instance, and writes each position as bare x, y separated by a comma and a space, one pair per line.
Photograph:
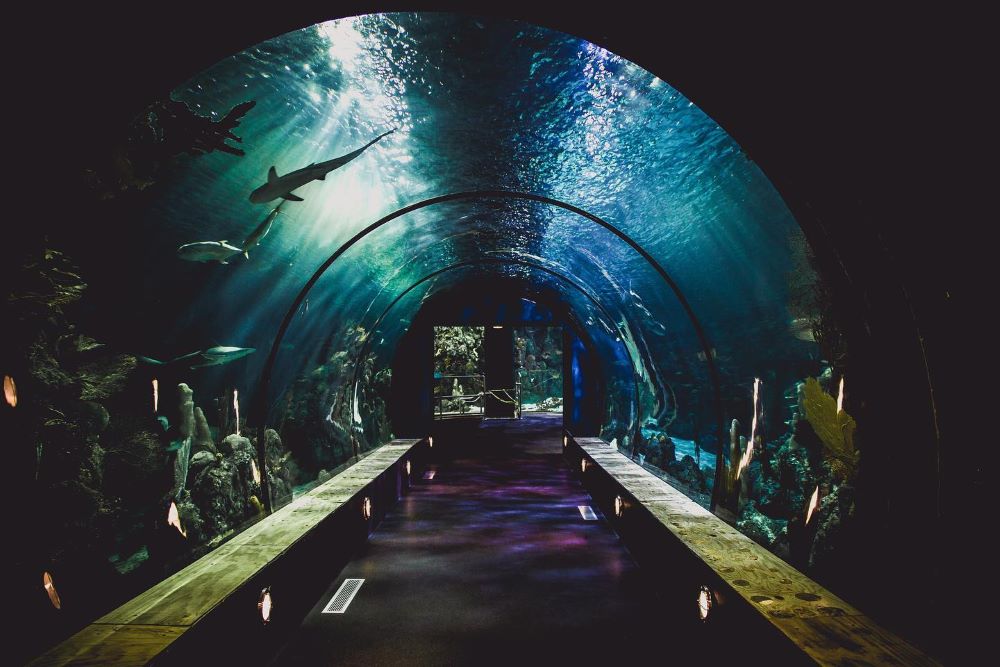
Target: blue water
476, 104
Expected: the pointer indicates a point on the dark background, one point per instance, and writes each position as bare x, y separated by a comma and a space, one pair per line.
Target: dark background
872, 123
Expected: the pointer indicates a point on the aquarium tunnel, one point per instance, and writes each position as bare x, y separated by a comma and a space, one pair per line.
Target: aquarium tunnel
546, 316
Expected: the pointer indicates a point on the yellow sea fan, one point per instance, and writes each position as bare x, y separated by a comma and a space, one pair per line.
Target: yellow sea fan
834, 428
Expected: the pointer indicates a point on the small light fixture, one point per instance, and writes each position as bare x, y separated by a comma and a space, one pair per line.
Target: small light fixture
10, 391
236, 408
583, 465
156, 395
265, 605
498, 326
50, 588
408, 468
565, 441
430, 441
704, 602
813, 504
174, 519
619, 506
366, 508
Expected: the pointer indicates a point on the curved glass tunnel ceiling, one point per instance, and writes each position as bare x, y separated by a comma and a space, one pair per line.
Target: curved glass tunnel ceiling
473, 105
476, 104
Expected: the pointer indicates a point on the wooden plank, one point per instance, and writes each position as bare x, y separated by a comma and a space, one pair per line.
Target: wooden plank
851, 640
824, 626
137, 631
120, 645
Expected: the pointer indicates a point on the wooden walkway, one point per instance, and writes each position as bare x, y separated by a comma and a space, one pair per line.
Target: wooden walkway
825, 627
144, 627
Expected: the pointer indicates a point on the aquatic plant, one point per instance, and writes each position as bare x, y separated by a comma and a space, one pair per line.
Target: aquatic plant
835, 428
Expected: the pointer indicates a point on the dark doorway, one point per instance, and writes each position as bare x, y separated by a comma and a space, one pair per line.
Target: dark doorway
501, 396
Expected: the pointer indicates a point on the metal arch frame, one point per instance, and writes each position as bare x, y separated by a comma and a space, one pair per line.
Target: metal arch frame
265, 381
363, 351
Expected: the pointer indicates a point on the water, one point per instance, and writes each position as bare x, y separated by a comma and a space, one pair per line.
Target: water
476, 104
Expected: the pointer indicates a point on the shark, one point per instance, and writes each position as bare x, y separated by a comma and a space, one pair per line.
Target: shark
208, 251
261, 231
282, 186
213, 356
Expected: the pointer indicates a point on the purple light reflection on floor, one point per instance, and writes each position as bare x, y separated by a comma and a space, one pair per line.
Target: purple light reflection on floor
491, 563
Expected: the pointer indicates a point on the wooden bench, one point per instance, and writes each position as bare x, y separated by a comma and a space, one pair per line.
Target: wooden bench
146, 626
823, 626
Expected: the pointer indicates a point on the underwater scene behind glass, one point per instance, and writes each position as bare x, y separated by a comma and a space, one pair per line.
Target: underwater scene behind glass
247, 177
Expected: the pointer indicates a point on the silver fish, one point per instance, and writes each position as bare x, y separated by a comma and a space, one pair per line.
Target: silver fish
261, 231
213, 356
208, 251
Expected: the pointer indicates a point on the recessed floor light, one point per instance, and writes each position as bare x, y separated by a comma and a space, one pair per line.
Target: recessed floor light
341, 600
587, 512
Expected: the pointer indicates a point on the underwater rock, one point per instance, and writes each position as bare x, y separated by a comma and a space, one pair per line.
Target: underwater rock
202, 434
660, 451
323, 476
191, 520
135, 462
272, 444
688, 473
281, 488
238, 449
199, 461
93, 417
771, 533
550, 403
834, 513
185, 429
219, 497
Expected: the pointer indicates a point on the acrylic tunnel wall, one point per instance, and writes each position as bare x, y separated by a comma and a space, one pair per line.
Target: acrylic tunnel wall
669, 255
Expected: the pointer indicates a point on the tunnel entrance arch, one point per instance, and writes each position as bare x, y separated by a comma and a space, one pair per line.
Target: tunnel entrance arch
473, 195
577, 327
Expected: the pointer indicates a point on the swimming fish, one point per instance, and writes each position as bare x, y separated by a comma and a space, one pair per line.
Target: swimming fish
282, 186
213, 356
261, 231
208, 251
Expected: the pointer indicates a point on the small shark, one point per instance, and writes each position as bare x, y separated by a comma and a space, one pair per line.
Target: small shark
282, 186
261, 231
213, 356
208, 251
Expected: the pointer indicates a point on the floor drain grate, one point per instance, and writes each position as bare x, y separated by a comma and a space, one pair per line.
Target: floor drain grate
587, 512
342, 598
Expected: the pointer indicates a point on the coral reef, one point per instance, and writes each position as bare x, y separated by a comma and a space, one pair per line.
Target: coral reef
770, 497
104, 468
319, 421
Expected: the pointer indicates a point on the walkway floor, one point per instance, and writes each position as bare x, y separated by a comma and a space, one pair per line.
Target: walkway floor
489, 562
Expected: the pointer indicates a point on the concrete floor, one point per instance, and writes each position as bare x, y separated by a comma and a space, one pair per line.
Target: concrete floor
489, 563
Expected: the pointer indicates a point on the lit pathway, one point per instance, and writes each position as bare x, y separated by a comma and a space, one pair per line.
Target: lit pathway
490, 562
